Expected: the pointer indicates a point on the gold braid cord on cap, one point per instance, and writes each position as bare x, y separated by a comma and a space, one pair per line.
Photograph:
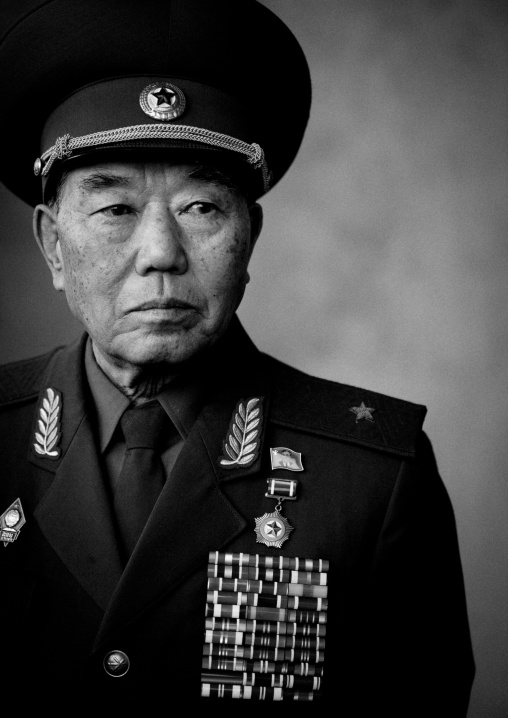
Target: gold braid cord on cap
64, 146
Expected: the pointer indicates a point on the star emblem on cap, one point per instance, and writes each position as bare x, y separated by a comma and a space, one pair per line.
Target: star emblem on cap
363, 412
162, 101
164, 96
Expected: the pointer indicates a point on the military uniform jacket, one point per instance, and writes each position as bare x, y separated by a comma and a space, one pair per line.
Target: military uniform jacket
370, 501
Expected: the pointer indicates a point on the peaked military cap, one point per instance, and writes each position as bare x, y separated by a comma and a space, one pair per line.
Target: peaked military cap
82, 77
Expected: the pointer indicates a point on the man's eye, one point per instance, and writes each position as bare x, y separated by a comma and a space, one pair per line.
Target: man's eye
117, 210
200, 208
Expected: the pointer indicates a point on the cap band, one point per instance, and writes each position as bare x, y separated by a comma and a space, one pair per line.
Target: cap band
65, 145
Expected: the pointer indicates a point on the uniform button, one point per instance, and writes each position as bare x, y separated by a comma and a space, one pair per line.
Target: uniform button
116, 663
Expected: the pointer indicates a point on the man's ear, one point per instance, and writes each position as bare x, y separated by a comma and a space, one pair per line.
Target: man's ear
45, 229
256, 223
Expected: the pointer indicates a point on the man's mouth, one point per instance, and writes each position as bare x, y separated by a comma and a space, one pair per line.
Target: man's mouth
171, 312
163, 304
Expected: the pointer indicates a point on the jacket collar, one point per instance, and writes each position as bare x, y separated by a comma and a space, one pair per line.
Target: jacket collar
75, 514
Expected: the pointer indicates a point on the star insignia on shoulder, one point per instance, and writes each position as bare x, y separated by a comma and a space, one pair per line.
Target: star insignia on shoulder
363, 412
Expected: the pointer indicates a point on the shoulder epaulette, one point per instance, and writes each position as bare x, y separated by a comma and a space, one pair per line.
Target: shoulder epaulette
364, 417
20, 380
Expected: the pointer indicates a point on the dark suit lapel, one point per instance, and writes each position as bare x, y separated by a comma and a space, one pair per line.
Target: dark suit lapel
74, 514
193, 516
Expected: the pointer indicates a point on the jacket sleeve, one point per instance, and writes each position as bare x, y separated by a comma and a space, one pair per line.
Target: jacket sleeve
417, 640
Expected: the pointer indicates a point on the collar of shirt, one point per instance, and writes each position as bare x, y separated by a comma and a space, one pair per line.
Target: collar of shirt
181, 400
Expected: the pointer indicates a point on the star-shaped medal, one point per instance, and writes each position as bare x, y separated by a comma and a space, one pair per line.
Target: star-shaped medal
363, 412
272, 529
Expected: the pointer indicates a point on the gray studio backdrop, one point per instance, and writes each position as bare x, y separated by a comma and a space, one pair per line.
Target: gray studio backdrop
383, 258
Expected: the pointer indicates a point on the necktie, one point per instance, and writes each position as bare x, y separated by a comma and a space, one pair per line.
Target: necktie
142, 476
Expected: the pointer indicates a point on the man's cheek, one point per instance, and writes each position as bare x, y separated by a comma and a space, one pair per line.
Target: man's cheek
85, 265
228, 277
84, 285
235, 259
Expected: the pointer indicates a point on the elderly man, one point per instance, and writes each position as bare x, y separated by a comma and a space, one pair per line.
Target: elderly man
182, 516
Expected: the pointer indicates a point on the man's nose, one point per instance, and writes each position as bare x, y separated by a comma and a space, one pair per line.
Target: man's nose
160, 243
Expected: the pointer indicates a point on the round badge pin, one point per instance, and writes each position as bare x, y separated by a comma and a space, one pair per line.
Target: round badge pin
162, 101
116, 663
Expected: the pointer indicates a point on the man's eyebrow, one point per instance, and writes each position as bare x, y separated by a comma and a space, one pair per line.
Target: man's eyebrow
214, 176
103, 180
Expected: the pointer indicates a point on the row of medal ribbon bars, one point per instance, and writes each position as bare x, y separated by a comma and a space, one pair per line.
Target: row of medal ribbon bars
259, 561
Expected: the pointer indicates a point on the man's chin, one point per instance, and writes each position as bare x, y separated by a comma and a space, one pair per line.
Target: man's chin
160, 348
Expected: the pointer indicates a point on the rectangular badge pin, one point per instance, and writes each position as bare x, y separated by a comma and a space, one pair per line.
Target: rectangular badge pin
284, 458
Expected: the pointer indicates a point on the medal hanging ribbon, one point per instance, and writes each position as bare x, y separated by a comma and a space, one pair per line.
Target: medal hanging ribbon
273, 529
282, 489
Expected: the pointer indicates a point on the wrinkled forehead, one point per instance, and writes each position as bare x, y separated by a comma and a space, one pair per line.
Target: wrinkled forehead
138, 173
